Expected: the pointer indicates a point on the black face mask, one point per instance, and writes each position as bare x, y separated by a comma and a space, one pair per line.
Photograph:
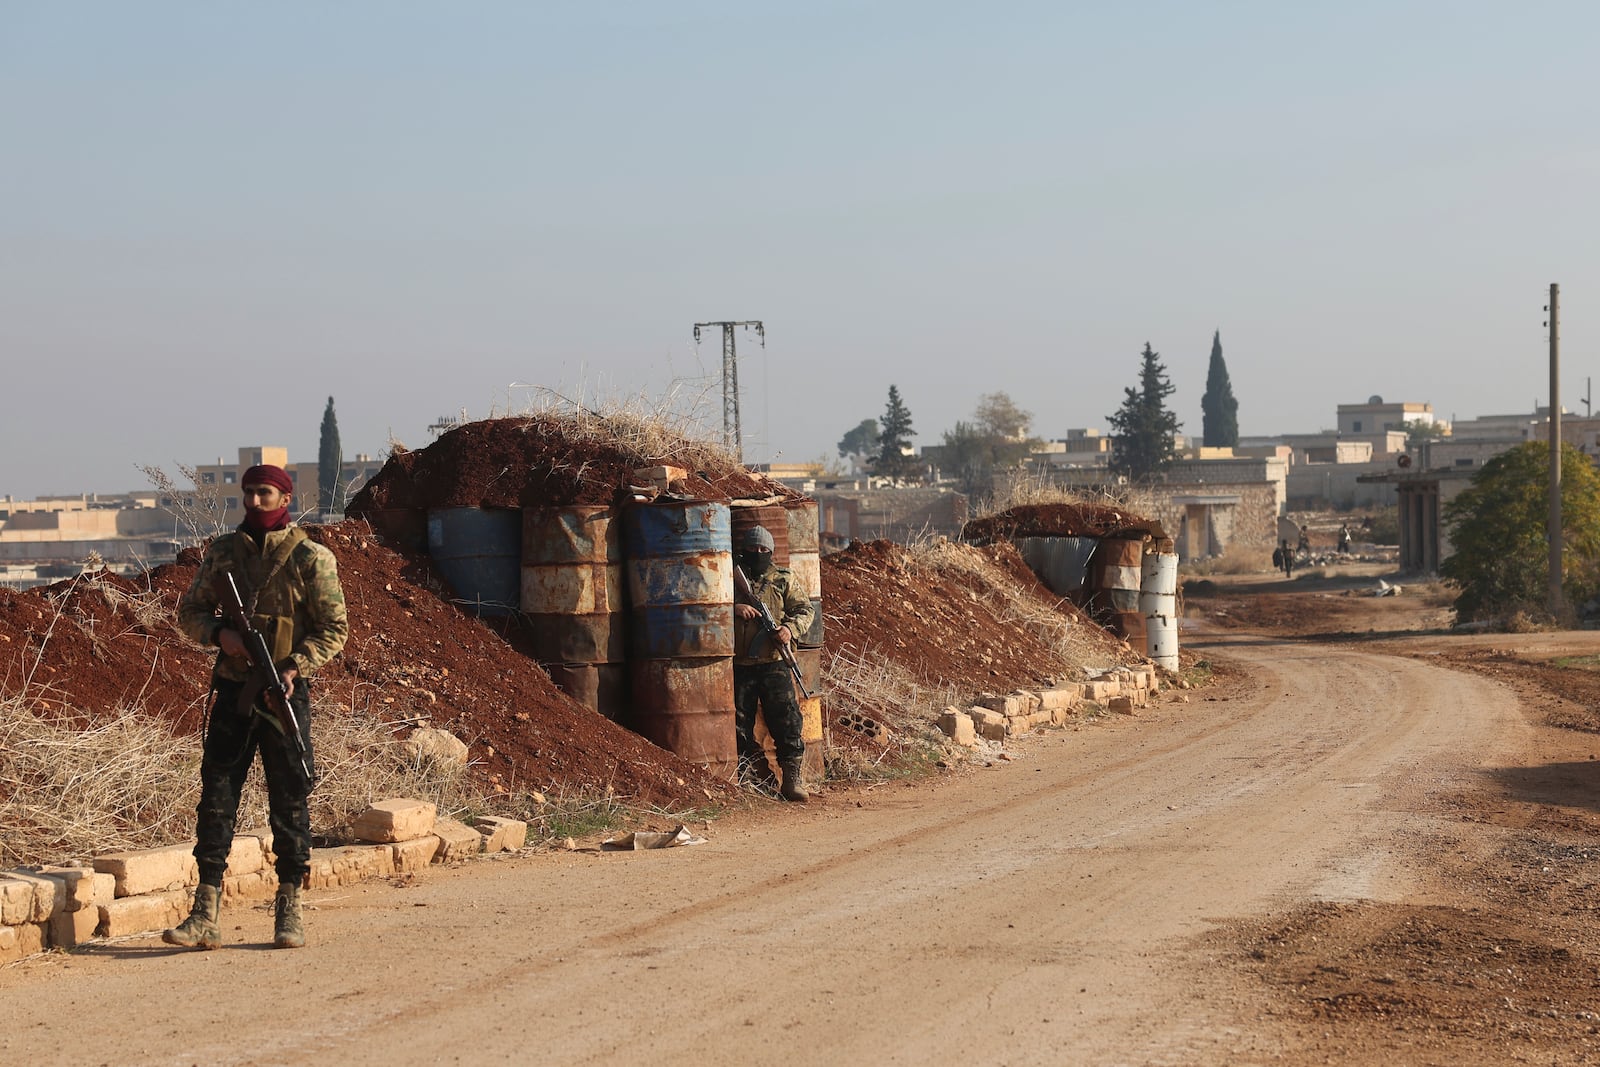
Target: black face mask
755, 562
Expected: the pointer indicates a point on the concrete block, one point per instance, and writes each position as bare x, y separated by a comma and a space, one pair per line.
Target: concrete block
16, 900
1041, 718
388, 821
105, 889
77, 883
501, 834
982, 717
1101, 690
1155, 680
331, 867
244, 857
1060, 716
252, 886
141, 914
414, 855
661, 476
1060, 699
457, 841
1120, 706
31, 938
69, 929
1018, 724
992, 731
49, 896
1009, 705
8, 945
958, 726
150, 870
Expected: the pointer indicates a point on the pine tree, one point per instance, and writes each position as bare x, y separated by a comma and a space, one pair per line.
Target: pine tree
1220, 419
894, 436
329, 460
1143, 427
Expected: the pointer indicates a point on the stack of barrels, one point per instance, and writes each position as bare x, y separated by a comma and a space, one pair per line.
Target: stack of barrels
630, 609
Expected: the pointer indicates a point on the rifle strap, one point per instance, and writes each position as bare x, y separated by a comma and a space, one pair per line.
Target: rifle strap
275, 564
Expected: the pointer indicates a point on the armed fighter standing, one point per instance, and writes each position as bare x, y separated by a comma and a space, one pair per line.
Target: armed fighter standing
292, 599
761, 669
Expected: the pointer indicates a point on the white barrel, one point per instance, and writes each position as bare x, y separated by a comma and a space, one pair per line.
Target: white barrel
1158, 604
1161, 640
1158, 573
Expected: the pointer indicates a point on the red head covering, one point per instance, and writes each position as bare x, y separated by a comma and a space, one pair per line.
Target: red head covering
267, 474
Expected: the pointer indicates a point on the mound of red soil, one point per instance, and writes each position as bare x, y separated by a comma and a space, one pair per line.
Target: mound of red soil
1060, 520
101, 641
543, 461
945, 625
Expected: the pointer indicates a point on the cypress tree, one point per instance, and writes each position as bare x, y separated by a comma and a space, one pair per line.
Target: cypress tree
1219, 423
329, 460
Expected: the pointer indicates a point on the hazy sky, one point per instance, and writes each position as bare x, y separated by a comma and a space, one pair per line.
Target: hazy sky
215, 215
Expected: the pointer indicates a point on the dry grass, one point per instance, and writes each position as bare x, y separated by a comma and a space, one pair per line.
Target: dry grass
67, 792
948, 559
1038, 486
672, 428
1235, 559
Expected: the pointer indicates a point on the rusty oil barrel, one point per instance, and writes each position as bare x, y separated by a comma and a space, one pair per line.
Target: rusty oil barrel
679, 564
805, 562
574, 597
1115, 575
771, 517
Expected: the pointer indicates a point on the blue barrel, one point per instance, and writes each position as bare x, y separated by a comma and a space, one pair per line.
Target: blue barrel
479, 555
680, 583
680, 579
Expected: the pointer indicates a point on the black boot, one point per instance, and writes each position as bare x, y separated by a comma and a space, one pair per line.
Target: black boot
793, 788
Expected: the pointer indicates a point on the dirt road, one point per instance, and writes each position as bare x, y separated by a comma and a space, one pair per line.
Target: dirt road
1062, 907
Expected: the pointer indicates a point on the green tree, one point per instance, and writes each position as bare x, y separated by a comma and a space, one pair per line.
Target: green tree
1497, 526
1143, 427
996, 439
894, 437
329, 460
1419, 430
1219, 420
860, 442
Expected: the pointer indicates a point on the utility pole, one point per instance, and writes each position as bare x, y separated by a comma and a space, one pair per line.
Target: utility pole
1554, 526
732, 437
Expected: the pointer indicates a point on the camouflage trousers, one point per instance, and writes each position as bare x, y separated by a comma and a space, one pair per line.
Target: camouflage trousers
771, 687
232, 740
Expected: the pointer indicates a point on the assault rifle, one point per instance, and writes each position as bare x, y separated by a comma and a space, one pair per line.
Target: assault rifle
271, 687
741, 587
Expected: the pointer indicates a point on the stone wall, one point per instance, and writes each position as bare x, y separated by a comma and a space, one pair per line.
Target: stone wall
128, 893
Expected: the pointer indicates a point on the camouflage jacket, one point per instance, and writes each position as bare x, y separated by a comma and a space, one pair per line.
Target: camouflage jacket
785, 596
300, 611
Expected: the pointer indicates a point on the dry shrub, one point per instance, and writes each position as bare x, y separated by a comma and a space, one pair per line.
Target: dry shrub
868, 683
671, 428
69, 792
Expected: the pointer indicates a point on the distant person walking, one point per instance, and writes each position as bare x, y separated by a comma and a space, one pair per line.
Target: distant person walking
290, 589
1344, 539
1283, 558
1305, 541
